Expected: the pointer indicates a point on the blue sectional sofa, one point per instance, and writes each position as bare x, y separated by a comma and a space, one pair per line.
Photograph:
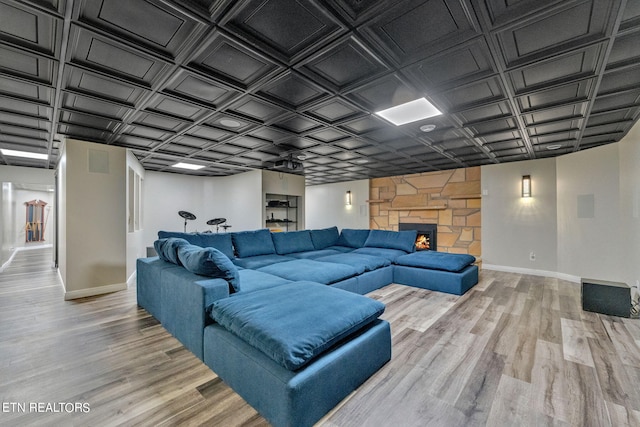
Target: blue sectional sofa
270, 312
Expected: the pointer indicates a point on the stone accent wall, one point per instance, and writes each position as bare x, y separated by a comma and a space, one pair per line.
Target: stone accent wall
450, 199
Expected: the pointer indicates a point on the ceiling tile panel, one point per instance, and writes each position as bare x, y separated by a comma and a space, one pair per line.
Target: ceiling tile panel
193, 87
566, 94
581, 23
334, 110
25, 26
470, 95
296, 124
257, 109
457, 66
114, 58
292, 90
82, 81
25, 90
575, 65
27, 65
344, 64
159, 121
227, 60
559, 113
625, 79
286, 26
386, 92
158, 26
175, 107
395, 30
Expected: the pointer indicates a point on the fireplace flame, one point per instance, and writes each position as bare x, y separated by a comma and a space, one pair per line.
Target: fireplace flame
422, 242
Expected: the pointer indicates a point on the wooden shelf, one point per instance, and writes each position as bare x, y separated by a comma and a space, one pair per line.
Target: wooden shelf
377, 200
420, 208
466, 196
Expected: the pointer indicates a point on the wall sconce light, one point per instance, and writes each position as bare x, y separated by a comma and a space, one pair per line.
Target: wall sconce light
526, 186
348, 198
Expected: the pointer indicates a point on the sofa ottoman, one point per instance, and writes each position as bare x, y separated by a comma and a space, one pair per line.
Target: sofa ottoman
295, 351
436, 271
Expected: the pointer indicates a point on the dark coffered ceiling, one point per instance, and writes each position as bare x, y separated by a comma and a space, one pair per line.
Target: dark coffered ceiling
240, 85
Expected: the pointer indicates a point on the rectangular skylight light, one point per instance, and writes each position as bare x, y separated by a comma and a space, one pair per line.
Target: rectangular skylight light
189, 166
412, 111
24, 154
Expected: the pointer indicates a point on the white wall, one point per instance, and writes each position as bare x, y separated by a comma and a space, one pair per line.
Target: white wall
513, 226
93, 217
6, 230
590, 247
604, 245
238, 198
630, 204
325, 205
167, 193
136, 247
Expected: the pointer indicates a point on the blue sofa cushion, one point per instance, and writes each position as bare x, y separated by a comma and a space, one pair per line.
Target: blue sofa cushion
258, 261
252, 243
254, 280
353, 238
292, 241
437, 260
390, 254
209, 262
295, 322
360, 261
193, 238
167, 249
314, 254
402, 240
220, 241
307, 269
324, 238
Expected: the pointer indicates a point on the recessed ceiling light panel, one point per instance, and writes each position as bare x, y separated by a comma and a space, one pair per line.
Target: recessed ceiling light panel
409, 112
24, 154
189, 166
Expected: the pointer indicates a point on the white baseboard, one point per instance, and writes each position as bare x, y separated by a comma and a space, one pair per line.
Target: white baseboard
132, 279
544, 273
99, 290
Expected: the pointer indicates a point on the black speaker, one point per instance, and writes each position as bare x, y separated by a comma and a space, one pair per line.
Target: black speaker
604, 297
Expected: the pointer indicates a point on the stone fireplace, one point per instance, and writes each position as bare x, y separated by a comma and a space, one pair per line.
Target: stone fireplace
427, 239
451, 199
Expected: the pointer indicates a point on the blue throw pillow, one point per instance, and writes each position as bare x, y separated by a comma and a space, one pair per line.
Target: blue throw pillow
353, 238
324, 238
193, 238
220, 241
252, 243
209, 262
167, 249
292, 241
402, 240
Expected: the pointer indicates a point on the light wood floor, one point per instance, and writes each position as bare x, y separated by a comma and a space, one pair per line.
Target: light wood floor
514, 351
